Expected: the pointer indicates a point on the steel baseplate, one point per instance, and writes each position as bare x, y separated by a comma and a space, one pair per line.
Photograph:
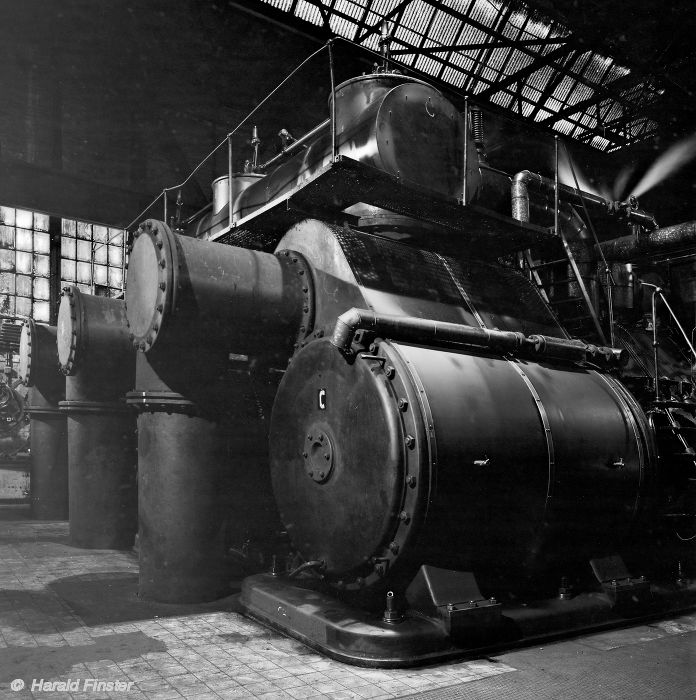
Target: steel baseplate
307, 611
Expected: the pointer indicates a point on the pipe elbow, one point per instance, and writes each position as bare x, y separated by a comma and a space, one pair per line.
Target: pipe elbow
346, 325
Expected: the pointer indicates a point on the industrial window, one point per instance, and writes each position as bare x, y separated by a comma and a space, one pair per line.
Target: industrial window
24, 263
92, 257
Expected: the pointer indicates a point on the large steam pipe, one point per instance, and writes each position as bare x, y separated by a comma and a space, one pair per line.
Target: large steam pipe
95, 353
438, 333
525, 179
184, 293
38, 369
661, 240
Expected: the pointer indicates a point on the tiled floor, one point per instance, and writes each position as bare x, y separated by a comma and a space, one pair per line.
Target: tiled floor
71, 614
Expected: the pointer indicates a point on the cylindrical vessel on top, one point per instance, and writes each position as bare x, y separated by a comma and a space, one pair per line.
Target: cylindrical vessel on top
527, 468
96, 354
190, 304
399, 125
38, 369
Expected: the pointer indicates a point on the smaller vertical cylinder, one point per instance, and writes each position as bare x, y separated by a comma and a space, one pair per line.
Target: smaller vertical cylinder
38, 369
96, 355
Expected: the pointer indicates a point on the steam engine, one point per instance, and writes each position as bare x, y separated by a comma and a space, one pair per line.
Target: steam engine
353, 374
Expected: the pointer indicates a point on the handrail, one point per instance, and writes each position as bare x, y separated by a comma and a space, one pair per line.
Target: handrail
657, 292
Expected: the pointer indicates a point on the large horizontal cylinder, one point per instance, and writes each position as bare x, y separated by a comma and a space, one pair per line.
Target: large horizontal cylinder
38, 369
96, 354
183, 293
525, 466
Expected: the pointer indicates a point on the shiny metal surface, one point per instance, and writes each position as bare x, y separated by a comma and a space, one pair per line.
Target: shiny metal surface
393, 123
523, 465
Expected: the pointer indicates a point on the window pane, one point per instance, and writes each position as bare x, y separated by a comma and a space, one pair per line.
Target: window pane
7, 304
84, 230
24, 219
100, 276
67, 247
115, 277
40, 222
7, 260
86, 288
101, 234
23, 285
100, 253
24, 239
116, 237
42, 265
42, 243
69, 227
41, 289
67, 270
115, 256
83, 272
7, 216
23, 305
41, 311
7, 237
7, 283
23, 263
84, 250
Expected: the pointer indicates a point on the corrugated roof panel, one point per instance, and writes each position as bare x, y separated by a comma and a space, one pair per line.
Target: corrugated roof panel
553, 104
597, 68
384, 7
542, 114
471, 35
580, 62
464, 61
531, 93
283, 5
428, 65
480, 86
579, 94
452, 75
417, 16
563, 88
518, 61
444, 30
541, 77
485, 11
340, 26
308, 12
408, 37
600, 142
564, 126
501, 99
497, 58
615, 72
353, 9
487, 73
527, 108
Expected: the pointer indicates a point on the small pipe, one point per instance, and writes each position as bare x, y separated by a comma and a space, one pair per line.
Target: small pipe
229, 179
555, 190
296, 144
440, 333
466, 151
656, 343
333, 102
318, 564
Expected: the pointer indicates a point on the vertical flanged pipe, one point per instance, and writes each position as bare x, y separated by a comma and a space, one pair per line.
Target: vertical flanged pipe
95, 353
182, 455
38, 369
189, 305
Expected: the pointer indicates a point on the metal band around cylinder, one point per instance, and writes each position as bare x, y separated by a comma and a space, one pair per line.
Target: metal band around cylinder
161, 401
93, 407
544, 416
